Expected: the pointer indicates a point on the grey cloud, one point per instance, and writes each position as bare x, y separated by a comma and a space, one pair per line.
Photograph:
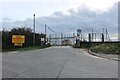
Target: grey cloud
83, 18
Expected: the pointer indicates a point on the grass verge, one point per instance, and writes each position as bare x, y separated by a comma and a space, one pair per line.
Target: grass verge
25, 48
111, 48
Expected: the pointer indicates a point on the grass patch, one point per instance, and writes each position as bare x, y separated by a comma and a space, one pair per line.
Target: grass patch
29, 48
25, 48
110, 48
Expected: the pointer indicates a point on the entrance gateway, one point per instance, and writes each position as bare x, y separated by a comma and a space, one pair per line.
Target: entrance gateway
65, 39
61, 39
72, 39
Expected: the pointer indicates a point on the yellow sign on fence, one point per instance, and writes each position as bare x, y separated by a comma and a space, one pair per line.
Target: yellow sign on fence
18, 39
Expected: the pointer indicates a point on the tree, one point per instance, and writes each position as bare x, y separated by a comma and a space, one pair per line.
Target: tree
27, 32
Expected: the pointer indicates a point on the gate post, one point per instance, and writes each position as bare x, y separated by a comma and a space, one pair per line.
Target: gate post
102, 38
89, 37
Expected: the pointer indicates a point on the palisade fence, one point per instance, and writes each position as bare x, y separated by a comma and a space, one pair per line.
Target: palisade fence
59, 39
70, 38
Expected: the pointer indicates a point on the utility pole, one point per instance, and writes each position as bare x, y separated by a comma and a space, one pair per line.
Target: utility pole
106, 34
92, 35
45, 33
34, 30
61, 38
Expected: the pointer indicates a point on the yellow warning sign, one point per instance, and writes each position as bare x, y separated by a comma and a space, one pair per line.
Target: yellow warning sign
18, 39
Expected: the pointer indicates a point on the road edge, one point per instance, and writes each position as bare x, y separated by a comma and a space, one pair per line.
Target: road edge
95, 54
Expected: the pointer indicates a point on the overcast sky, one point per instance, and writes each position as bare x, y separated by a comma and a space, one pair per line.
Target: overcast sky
61, 15
23, 9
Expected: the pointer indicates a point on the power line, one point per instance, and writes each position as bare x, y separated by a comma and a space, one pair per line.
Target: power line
51, 30
46, 27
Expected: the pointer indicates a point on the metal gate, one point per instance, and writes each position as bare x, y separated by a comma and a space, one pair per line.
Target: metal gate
61, 39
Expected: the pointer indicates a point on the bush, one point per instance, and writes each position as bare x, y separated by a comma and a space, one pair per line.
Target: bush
7, 37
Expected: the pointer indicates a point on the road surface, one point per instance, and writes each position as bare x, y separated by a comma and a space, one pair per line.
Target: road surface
57, 62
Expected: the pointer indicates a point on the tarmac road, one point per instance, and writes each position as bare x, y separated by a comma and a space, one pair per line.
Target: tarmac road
57, 62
